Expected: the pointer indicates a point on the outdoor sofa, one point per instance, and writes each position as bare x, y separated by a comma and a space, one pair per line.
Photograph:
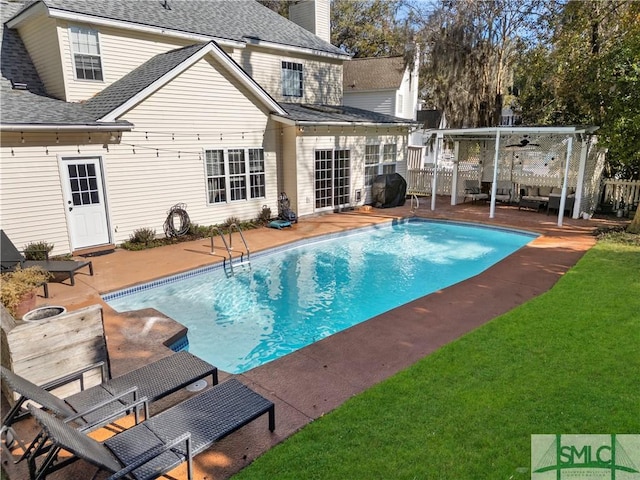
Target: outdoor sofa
538, 198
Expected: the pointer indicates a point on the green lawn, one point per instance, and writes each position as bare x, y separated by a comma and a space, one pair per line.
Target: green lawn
565, 362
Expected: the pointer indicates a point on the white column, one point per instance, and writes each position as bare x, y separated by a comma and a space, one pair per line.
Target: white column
454, 180
494, 184
434, 180
584, 150
563, 198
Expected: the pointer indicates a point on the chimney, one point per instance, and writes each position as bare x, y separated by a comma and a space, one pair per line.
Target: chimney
313, 15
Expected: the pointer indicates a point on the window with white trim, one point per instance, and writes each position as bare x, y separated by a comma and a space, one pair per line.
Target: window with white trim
371, 162
291, 79
379, 162
235, 174
256, 173
389, 158
216, 178
85, 46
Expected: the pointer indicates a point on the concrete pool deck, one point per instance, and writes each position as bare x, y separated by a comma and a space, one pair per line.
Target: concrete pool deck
308, 383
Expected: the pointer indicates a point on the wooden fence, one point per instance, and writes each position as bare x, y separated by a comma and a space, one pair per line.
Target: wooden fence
615, 192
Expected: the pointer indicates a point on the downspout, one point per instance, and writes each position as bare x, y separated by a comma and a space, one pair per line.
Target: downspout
563, 198
494, 184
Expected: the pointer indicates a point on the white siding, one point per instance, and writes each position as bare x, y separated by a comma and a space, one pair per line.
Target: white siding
289, 165
121, 52
322, 79
168, 165
341, 138
323, 19
406, 108
40, 38
48, 43
31, 203
313, 15
198, 110
382, 101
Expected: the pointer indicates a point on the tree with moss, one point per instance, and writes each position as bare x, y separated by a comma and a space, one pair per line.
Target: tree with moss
585, 69
470, 50
368, 28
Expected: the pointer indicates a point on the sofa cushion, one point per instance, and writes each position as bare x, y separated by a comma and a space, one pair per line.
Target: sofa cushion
556, 191
544, 191
532, 191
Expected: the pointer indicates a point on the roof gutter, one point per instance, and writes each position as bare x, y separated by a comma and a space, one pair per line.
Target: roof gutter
16, 127
492, 131
291, 48
311, 123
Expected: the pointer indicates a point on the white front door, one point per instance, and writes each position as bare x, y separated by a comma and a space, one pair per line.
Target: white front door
85, 201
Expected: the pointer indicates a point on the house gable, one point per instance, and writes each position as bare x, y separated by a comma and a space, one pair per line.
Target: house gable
384, 85
122, 95
163, 160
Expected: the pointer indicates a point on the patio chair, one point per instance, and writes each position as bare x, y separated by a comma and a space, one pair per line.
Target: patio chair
12, 257
160, 443
473, 191
103, 404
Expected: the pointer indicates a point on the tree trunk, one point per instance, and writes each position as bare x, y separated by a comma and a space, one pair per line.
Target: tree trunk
634, 226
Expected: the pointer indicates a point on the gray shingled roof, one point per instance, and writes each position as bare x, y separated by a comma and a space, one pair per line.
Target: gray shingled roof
31, 105
13, 66
338, 114
137, 80
237, 20
380, 73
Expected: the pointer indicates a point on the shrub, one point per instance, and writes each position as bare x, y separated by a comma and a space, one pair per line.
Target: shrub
199, 231
143, 235
37, 250
264, 216
231, 220
16, 284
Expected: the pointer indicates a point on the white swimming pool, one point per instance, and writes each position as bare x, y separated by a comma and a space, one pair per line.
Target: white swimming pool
296, 295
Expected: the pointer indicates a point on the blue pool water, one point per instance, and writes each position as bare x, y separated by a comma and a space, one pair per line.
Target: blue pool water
294, 296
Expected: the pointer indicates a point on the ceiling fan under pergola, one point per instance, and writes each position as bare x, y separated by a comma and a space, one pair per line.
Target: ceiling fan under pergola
525, 142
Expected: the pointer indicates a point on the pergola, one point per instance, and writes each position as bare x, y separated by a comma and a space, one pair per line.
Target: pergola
566, 157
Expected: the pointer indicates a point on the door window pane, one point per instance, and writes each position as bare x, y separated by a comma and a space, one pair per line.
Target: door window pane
83, 182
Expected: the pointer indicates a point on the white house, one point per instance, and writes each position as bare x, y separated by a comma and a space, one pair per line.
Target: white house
114, 111
386, 85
